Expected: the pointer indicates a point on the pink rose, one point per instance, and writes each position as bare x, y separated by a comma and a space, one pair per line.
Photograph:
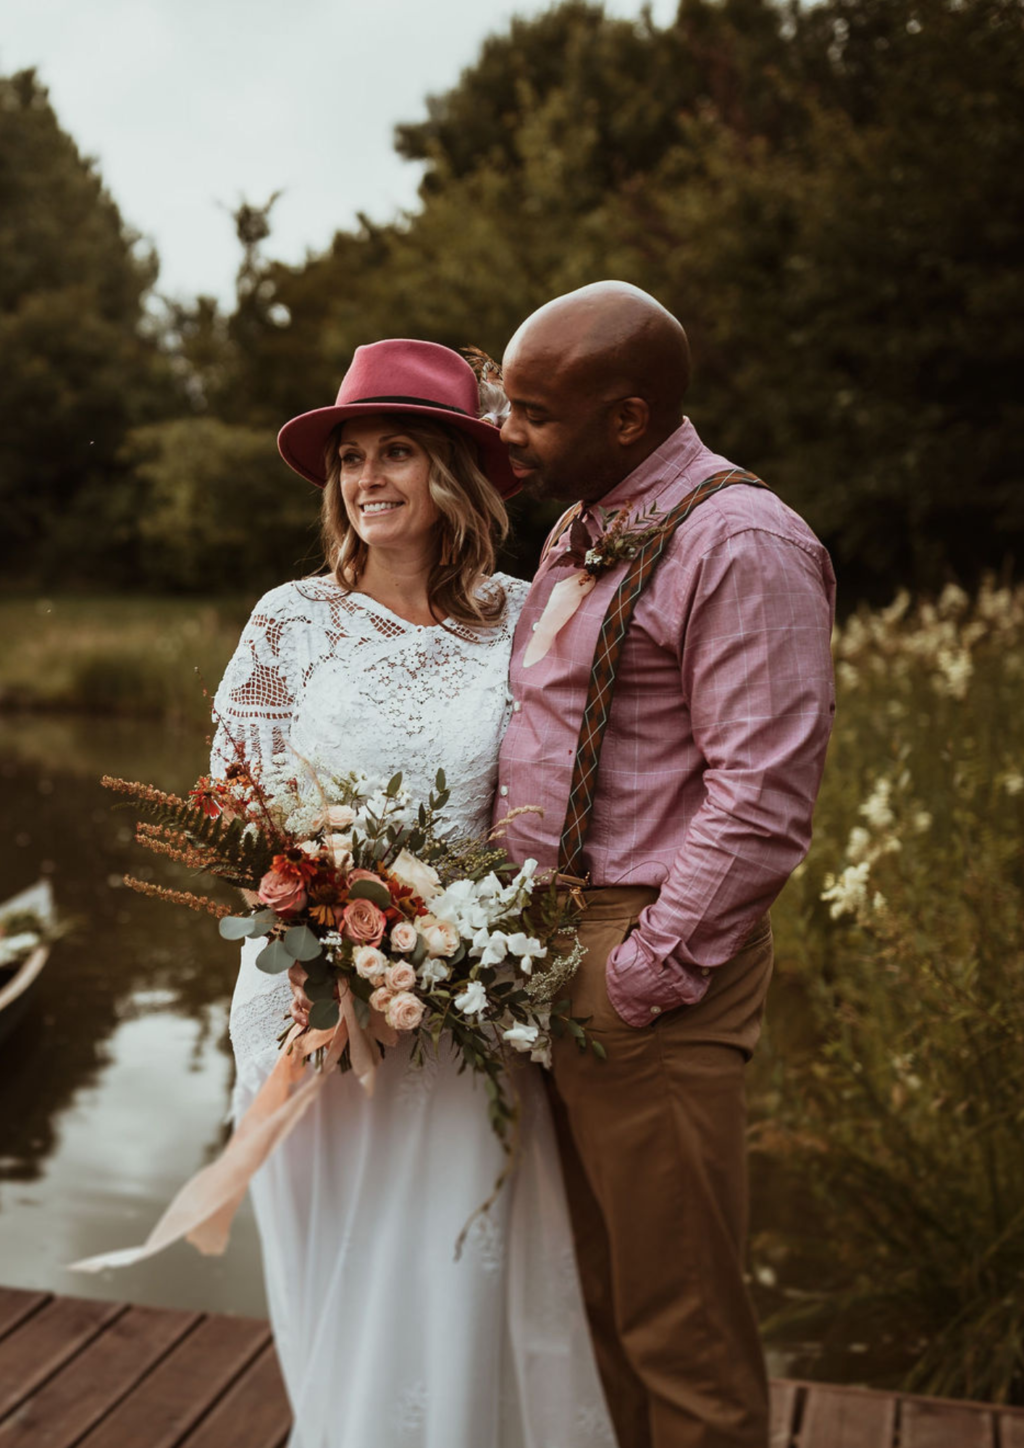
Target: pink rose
364, 875
403, 936
404, 1011
369, 962
400, 976
283, 894
363, 923
381, 999
441, 936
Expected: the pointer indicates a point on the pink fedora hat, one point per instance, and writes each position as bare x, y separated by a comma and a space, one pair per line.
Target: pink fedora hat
421, 378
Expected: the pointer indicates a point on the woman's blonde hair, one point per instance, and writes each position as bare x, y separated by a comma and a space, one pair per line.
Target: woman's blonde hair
472, 519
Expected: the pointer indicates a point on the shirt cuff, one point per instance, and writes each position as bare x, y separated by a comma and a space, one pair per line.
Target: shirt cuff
639, 987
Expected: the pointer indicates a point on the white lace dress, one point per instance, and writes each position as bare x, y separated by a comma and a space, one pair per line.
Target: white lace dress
384, 1340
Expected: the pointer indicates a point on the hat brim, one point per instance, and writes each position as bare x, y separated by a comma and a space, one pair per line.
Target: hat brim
301, 441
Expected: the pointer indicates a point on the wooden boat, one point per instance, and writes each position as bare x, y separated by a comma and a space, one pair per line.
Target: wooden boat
17, 980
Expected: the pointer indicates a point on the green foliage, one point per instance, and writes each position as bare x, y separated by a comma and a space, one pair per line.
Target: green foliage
903, 932
78, 367
222, 511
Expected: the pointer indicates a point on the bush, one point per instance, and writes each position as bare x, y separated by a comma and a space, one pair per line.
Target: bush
905, 931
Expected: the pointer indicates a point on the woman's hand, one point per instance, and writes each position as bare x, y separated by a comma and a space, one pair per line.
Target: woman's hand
301, 1003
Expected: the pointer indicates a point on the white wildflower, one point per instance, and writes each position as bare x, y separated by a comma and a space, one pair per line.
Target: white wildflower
922, 821
1013, 783
875, 808
847, 894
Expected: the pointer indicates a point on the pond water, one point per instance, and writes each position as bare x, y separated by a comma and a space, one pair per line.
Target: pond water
115, 1083
115, 1086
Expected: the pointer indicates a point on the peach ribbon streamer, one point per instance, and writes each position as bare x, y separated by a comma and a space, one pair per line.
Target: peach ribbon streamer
203, 1210
564, 600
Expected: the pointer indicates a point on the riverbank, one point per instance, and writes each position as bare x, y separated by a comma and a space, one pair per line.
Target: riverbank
134, 656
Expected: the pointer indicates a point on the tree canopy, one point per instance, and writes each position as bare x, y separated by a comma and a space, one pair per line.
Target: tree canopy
829, 196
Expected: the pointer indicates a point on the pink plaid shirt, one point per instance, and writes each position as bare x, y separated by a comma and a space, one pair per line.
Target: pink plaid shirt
716, 741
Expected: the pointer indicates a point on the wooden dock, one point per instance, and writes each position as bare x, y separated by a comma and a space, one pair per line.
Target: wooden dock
75, 1373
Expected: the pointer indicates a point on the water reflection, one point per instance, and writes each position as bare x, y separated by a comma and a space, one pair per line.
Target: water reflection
115, 1086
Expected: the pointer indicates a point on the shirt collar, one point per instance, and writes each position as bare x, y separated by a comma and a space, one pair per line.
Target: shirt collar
663, 466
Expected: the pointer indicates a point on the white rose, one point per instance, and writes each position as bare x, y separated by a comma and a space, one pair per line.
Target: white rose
421, 878
523, 1038
473, 1000
369, 962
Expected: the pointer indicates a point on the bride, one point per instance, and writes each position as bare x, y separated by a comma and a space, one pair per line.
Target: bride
396, 659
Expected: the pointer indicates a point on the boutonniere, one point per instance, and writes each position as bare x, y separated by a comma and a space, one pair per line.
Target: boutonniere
620, 538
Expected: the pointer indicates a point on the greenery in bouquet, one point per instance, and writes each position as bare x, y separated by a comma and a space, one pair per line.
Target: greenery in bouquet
433, 936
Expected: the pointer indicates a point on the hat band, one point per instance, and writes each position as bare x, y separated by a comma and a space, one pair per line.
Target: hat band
412, 401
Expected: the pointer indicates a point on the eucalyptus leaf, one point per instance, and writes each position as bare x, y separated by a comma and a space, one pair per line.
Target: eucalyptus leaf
324, 1015
301, 943
374, 890
235, 927
394, 785
419, 951
319, 990
274, 959
263, 922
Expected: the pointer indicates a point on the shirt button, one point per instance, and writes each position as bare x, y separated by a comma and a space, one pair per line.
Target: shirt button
503, 790
704, 970
655, 1010
516, 706
533, 627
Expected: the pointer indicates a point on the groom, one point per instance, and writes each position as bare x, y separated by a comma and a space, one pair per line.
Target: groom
678, 775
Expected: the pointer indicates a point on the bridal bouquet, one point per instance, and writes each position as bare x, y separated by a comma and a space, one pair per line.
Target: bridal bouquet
402, 928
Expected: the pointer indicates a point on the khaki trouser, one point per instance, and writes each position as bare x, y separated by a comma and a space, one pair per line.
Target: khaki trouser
654, 1155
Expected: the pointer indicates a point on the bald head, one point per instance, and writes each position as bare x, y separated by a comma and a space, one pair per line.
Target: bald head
616, 338
606, 360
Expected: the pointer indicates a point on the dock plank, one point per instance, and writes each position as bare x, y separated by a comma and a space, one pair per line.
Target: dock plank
103, 1373
836, 1417
255, 1413
941, 1424
183, 1388
1011, 1430
782, 1406
16, 1305
45, 1341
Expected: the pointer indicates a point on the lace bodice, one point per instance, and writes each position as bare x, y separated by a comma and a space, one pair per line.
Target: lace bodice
347, 685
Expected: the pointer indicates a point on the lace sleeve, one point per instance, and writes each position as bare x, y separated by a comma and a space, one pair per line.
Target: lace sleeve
254, 705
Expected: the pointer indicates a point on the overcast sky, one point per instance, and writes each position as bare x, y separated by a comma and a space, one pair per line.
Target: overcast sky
189, 104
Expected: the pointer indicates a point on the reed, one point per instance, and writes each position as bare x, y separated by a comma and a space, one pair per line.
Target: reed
902, 1114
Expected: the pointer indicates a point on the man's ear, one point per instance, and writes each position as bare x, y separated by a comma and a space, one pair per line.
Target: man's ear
630, 420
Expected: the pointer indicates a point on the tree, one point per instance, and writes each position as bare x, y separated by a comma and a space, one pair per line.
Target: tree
79, 368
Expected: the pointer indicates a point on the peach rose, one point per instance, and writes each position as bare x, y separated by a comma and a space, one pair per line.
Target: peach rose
404, 1011
403, 936
339, 848
381, 999
283, 894
364, 875
400, 976
422, 879
363, 923
369, 962
441, 936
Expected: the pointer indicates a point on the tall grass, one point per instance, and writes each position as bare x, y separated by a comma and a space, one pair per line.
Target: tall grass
904, 1121
132, 656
